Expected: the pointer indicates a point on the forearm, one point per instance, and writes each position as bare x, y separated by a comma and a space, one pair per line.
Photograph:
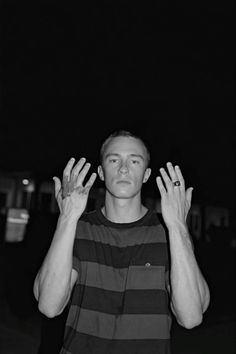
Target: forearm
52, 283
189, 291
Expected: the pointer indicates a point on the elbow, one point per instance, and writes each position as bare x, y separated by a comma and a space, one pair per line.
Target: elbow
47, 311
190, 319
190, 323
51, 309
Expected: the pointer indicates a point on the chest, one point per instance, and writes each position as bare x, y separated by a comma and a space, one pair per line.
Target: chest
154, 254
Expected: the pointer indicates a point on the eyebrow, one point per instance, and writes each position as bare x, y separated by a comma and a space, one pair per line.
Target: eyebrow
118, 155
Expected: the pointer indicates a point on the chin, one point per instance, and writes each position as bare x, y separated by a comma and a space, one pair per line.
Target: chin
123, 193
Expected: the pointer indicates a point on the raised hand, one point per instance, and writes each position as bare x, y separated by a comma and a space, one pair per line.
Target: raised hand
175, 199
71, 194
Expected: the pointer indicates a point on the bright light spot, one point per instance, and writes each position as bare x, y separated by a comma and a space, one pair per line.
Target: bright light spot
25, 181
24, 216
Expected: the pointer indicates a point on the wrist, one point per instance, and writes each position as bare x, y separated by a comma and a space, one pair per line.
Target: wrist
180, 227
68, 217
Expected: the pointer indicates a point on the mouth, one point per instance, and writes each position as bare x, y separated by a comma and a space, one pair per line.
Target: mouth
123, 181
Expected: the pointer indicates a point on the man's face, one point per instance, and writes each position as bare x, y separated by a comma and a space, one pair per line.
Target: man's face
124, 167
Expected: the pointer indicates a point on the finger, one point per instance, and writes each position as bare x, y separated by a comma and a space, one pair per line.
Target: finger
180, 177
67, 170
83, 173
78, 166
91, 181
161, 187
166, 178
189, 193
172, 172
57, 185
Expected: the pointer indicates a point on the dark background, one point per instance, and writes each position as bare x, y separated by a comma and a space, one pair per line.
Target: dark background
74, 72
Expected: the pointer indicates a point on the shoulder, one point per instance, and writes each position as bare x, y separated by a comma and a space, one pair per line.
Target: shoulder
90, 218
156, 222
154, 218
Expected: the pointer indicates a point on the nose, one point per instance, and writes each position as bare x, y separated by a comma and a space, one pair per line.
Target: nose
123, 168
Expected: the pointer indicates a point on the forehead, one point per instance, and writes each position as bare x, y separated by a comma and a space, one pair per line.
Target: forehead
125, 145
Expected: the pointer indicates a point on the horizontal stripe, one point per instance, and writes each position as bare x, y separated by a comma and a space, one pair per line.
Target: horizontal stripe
121, 327
96, 217
86, 344
117, 303
120, 279
121, 257
121, 237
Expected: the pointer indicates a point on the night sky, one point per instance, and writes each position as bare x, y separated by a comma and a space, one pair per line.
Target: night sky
74, 72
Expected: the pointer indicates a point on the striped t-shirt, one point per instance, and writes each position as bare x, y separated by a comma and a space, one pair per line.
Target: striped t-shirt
119, 304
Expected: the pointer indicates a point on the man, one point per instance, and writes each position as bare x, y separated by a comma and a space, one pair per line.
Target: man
112, 266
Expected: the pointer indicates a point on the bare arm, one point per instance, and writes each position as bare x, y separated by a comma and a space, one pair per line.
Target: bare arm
188, 289
56, 278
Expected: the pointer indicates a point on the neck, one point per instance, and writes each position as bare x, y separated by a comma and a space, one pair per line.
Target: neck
123, 210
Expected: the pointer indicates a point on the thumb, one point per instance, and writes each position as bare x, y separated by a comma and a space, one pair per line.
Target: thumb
189, 195
57, 185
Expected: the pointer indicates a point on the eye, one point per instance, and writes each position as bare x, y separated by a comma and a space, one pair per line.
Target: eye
113, 160
135, 162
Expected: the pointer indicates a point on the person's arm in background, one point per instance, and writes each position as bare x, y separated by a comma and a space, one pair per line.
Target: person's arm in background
189, 293
56, 278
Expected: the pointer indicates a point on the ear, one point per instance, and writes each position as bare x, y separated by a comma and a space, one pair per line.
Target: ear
100, 173
147, 174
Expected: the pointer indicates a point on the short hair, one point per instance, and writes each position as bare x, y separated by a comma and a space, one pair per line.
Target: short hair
123, 133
